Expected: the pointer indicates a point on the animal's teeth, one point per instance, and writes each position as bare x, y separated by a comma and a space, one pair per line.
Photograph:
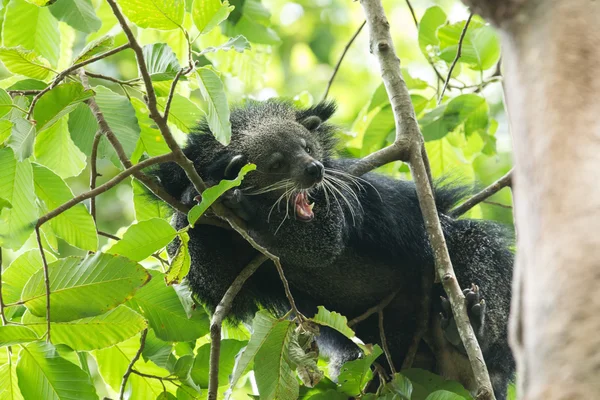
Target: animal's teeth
311, 205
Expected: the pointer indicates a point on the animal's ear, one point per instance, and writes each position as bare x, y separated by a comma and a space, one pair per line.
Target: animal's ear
322, 112
234, 166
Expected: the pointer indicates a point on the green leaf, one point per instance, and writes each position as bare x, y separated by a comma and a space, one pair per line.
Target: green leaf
21, 61
468, 109
84, 288
274, 375
95, 47
356, 374
15, 334
9, 389
184, 114
151, 140
424, 383
210, 195
238, 43
183, 366
213, 94
433, 124
33, 28
18, 273
161, 62
75, 225
180, 266
480, 46
444, 395
55, 149
92, 333
6, 103
144, 238
79, 14
120, 116
229, 349
433, 18
43, 374
162, 308
5, 130
251, 20
156, 14
28, 84
4, 204
330, 394
16, 186
158, 351
113, 362
208, 14
333, 320
378, 130
58, 102
399, 386
146, 205
262, 325
82, 127
21, 138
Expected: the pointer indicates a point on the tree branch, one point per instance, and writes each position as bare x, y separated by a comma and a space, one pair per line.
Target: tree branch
94, 172
133, 361
221, 312
46, 281
111, 79
458, 54
103, 188
62, 75
384, 345
22, 92
409, 142
339, 63
375, 309
494, 188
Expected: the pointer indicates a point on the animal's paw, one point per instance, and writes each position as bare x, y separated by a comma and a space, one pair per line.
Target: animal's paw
476, 311
237, 202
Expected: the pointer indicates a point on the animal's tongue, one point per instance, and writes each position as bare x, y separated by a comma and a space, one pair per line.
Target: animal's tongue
303, 207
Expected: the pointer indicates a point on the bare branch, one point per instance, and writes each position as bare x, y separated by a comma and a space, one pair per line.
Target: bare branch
494, 188
22, 92
221, 312
111, 79
103, 188
339, 63
375, 309
46, 281
69, 70
94, 172
182, 71
412, 12
160, 378
384, 345
409, 142
458, 54
133, 361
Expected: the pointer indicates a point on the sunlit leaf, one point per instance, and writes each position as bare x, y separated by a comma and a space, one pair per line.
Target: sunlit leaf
33, 28
425, 383
146, 205
22, 137
20, 270
55, 149
19, 60
5, 103
92, 333
184, 114
180, 266
156, 14
84, 288
433, 18
44, 374
238, 43
207, 14
210, 195
480, 46
16, 186
161, 62
144, 238
251, 20
58, 102
79, 14
229, 349
95, 47
75, 225
9, 389
15, 334
213, 94
82, 127
356, 374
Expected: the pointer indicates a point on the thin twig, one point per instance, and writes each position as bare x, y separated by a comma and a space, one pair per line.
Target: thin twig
62, 75
160, 378
133, 361
383, 304
494, 188
23, 92
94, 172
412, 12
111, 79
384, 345
221, 312
46, 282
103, 188
495, 203
339, 63
182, 71
2, 315
458, 54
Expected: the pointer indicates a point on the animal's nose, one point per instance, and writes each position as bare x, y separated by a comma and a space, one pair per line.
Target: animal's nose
315, 170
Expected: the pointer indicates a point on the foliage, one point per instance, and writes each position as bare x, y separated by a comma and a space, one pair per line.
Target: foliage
107, 294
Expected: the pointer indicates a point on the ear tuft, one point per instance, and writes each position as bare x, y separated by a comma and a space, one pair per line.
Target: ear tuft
311, 123
324, 110
235, 165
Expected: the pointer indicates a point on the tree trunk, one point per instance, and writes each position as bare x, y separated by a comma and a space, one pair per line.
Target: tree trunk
552, 85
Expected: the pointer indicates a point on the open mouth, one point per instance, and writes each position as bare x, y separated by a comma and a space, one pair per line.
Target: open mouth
304, 209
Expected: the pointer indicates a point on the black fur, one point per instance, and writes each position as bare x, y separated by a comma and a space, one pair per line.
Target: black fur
353, 254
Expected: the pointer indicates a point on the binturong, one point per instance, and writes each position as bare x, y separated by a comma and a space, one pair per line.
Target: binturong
345, 242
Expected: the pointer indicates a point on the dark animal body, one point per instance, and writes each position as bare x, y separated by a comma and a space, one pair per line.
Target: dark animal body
361, 240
